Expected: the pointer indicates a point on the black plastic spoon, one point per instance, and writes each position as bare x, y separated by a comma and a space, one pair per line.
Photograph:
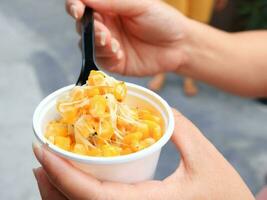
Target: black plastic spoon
88, 47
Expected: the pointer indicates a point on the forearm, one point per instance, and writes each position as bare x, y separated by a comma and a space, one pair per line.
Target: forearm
235, 62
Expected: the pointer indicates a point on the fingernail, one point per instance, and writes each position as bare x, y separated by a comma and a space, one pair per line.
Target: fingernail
38, 151
103, 38
119, 55
114, 46
73, 11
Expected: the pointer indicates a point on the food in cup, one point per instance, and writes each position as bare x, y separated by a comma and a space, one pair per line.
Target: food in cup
95, 121
115, 168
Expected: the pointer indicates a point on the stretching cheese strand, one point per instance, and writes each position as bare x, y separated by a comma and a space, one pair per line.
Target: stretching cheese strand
95, 121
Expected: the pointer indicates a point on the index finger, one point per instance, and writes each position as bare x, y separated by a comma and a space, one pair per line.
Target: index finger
69, 180
194, 147
47, 190
75, 8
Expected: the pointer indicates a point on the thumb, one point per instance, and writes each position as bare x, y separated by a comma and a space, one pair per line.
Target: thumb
194, 148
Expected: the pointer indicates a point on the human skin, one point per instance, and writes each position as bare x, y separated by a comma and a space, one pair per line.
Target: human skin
150, 37
200, 11
203, 173
179, 46
233, 62
262, 194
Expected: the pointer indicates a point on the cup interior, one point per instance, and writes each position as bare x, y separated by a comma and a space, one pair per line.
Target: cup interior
137, 96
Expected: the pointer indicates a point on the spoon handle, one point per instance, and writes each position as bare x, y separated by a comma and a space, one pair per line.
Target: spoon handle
88, 48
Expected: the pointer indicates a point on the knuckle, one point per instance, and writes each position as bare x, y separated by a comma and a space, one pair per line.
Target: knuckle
56, 179
177, 115
68, 4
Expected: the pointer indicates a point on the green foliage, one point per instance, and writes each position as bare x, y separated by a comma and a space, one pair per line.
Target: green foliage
253, 14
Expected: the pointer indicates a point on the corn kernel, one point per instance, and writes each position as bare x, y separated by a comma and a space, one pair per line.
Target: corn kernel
79, 149
120, 91
63, 142
126, 151
135, 145
105, 89
90, 92
110, 150
69, 116
156, 134
56, 129
154, 129
96, 78
143, 128
123, 125
147, 115
146, 143
105, 130
51, 139
77, 93
94, 152
132, 137
98, 106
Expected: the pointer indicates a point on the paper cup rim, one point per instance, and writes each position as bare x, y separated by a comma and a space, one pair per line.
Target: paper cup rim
103, 160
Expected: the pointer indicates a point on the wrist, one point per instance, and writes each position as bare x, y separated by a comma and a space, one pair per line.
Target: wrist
193, 46
188, 46
202, 46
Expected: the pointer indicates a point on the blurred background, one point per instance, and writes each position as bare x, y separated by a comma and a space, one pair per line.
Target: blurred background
39, 54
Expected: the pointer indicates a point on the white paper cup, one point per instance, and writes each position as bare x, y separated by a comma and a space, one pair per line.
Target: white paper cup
130, 168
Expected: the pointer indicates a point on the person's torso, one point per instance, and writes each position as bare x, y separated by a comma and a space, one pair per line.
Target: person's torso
200, 10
